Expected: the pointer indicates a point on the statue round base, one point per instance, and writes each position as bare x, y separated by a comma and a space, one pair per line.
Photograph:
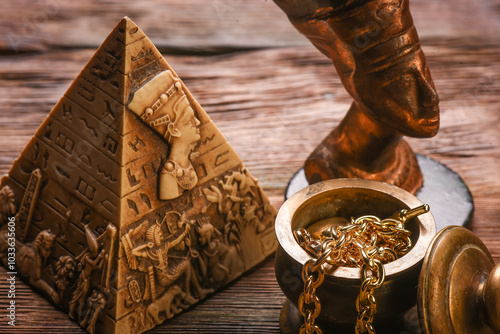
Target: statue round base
444, 190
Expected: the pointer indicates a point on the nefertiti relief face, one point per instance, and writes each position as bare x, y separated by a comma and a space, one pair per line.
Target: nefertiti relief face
188, 126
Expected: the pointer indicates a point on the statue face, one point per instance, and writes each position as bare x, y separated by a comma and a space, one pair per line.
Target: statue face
401, 96
188, 127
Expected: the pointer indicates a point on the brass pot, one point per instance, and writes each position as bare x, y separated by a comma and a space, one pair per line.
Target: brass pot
348, 198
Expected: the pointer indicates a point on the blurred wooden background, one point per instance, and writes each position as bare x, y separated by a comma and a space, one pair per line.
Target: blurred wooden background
271, 94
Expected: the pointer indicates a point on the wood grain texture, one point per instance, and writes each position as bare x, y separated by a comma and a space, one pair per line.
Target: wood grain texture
209, 25
180, 25
274, 105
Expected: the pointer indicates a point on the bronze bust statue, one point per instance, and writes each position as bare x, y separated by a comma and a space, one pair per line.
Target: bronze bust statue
376, 51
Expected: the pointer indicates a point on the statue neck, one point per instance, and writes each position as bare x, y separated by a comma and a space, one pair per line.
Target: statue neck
361, 141
180, 154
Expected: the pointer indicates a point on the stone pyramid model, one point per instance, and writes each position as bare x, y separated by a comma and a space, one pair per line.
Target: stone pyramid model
129, 204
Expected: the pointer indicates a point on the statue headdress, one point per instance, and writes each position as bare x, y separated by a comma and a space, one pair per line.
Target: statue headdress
160, 103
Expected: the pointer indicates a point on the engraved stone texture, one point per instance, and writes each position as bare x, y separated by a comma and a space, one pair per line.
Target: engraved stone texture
130, 202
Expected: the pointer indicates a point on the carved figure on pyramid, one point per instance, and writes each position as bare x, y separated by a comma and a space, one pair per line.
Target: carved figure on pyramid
376, 51
7, 206
153, 259
97, 302
162, 104
91, 261
30, 258
220, 256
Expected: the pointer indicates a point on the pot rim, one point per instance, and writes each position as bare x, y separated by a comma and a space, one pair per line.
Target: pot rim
284, 233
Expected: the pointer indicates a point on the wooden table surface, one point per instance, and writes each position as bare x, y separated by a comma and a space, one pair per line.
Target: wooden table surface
271, 94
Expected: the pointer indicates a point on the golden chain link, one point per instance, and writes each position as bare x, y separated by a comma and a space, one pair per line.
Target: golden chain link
366, 243
309, 304
365, 303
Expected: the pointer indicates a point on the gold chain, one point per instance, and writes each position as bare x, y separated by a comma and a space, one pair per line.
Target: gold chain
366, 243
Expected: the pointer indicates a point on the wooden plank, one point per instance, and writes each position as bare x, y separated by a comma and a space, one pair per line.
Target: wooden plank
209, 26
194, 25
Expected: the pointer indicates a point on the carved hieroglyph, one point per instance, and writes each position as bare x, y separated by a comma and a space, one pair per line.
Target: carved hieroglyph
129, 203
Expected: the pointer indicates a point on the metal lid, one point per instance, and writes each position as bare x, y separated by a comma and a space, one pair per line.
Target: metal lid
458, 285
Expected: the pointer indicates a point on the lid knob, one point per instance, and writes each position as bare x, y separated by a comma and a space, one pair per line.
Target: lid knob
492, 299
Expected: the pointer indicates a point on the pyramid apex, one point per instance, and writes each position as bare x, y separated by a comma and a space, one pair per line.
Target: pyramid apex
128, 23
127, 32
125, 60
